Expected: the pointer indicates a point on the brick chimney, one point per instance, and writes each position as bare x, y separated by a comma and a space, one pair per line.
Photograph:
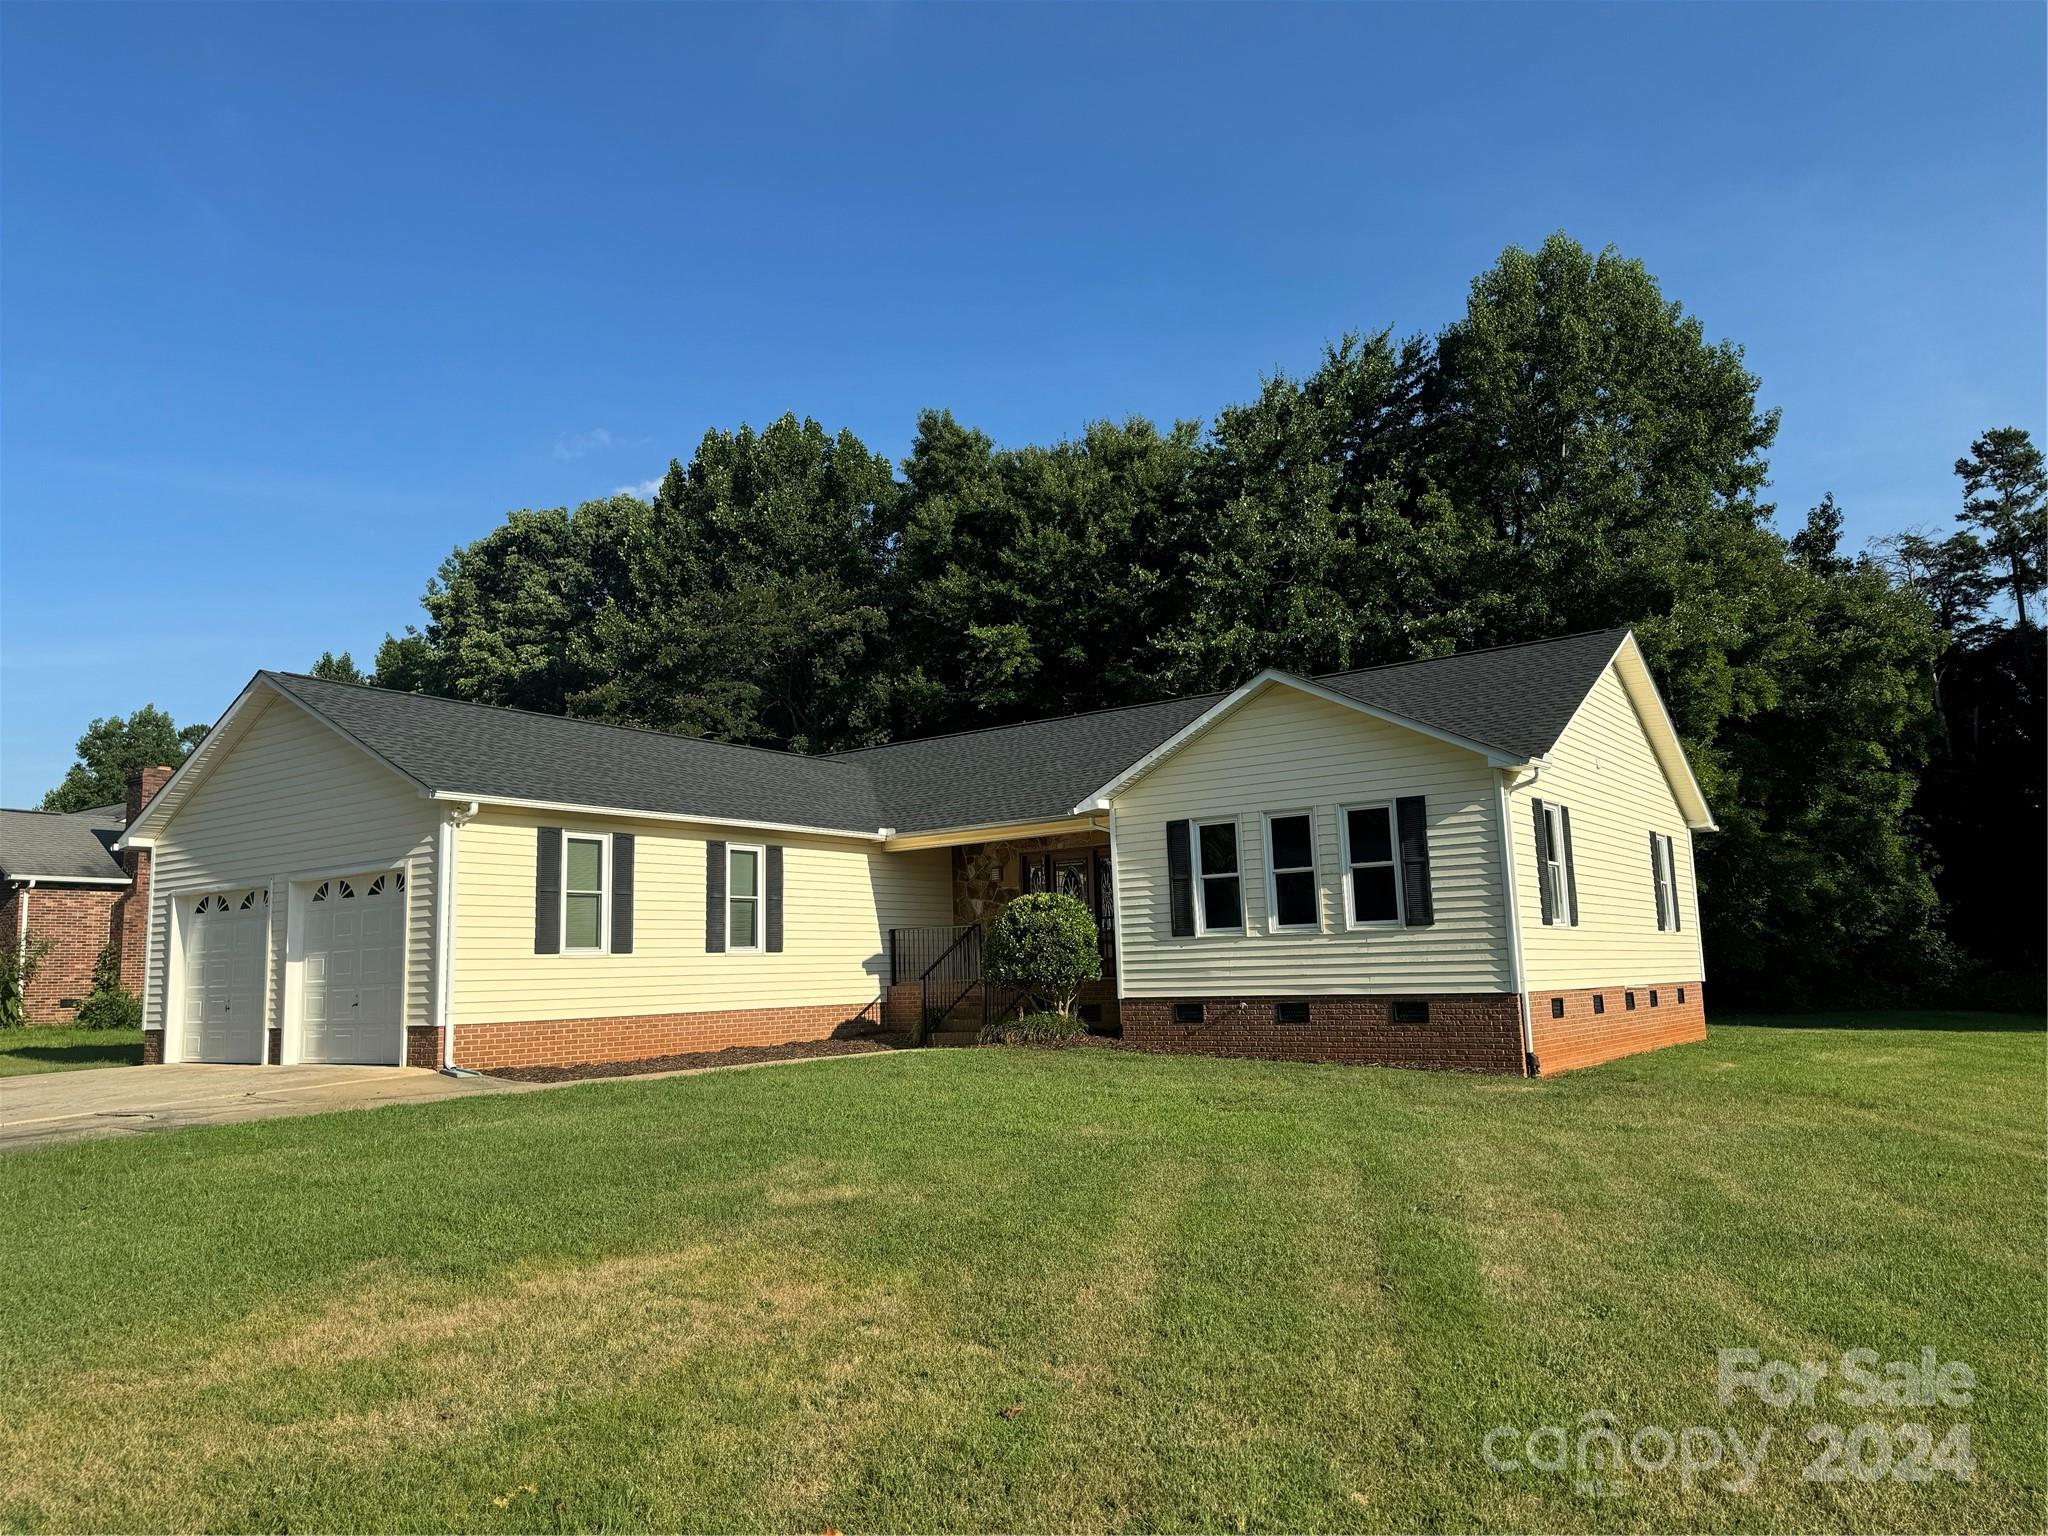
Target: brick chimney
131, 917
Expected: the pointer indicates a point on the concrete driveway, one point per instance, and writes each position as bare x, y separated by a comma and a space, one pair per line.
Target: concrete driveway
51, 1107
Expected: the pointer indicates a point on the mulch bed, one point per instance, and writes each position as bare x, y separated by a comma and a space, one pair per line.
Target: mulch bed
731, 1056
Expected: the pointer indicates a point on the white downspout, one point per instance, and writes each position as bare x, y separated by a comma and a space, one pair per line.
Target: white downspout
21, 937
445, 842
1514, 904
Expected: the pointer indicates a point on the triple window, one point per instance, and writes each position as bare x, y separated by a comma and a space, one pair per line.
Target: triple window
743, 863
583, 893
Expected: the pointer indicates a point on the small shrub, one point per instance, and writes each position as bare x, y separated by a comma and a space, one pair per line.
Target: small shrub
1033, 1029
111, 1005
1044, 946
18, 967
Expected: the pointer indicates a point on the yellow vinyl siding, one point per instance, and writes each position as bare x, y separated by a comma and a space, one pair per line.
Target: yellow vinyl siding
1283, 750
1603, 770
840, 899
292, 797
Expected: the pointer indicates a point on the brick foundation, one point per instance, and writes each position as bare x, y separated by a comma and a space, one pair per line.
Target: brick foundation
900, 1008
1467, 1032
78, 921
422, 1045
152, 1047
567, 1042
1583, 1038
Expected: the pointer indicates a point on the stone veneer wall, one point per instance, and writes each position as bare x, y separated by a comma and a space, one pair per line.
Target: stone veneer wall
989, 876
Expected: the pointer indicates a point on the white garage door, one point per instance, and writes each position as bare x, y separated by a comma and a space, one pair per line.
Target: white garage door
354, 971
224, 943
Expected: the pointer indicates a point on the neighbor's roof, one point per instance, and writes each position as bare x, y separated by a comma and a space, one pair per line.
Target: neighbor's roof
61, 845
1512, 701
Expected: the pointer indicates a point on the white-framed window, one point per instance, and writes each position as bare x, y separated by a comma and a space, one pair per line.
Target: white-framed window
586, 868
745, 867
1667, 885
1293, 901
1219, 889
1553, 866
1372, 880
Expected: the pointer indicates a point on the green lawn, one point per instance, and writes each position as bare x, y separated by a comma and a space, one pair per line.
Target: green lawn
1016, 1290
58, 1048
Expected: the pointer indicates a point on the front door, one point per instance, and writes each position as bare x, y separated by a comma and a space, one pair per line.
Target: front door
1084, 874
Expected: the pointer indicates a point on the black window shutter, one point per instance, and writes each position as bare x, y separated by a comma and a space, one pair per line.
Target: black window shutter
622, 893
1413, 825
774, 883
1543, 863
714, 898
1671, 863
1571, 879
1180, 880
1657, 881
547, 892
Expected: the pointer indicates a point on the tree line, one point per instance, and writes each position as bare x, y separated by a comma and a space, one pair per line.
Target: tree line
1571, 453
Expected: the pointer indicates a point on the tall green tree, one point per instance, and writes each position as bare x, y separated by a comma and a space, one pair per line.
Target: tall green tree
2005, 498
511, 618
113, 749
338, 669
1951, 576
1035, 581
749, 603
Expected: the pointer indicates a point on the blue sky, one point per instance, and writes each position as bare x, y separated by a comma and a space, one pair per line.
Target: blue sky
294, 299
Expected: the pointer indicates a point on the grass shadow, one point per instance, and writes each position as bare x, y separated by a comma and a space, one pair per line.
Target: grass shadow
97, 1053
1951, 1020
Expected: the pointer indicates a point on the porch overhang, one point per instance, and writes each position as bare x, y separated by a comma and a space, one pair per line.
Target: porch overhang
995, 831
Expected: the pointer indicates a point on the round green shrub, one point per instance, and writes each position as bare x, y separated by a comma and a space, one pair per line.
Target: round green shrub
1033, 1029
1045, 947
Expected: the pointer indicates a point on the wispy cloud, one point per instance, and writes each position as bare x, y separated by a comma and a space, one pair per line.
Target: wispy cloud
644, 490
576, 444
238, 485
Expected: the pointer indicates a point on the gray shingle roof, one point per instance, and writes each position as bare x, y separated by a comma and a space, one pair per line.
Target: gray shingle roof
1033, 772
57, 845
1518, 698
444, 744
1514, 699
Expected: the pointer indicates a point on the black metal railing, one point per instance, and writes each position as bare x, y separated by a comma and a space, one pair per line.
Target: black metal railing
913, 951
949, 978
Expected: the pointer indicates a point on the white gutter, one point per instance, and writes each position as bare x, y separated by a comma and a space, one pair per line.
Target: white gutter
579, 808
1515, 969
444, 928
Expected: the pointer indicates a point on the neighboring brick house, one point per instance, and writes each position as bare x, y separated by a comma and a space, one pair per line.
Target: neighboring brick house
62, 884
1480, 862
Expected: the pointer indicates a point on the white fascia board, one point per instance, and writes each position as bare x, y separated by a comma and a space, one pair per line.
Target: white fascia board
1273, 677
194, 766
580, 808
39, 880
1692, 800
